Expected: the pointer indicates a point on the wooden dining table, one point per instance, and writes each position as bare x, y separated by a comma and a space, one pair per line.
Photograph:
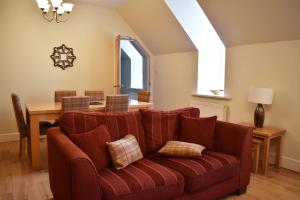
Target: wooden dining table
52, 111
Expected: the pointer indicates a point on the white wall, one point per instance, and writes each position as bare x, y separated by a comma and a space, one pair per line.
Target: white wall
27, 41
275, 65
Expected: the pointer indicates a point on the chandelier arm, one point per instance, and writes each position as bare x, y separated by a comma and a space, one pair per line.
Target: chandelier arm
62, 18
47, 17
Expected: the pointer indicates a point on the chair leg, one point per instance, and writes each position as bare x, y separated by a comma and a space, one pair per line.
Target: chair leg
22, 147
28, 145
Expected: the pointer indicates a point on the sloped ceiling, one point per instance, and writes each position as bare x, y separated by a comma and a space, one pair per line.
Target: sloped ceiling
154, 23
240, 22
107, 3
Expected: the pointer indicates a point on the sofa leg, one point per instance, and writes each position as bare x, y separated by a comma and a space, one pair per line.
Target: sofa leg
241, 190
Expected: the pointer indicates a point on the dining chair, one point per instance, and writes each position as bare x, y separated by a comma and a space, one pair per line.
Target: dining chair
23, 127
96, 96
59, 94
75, 104
143, 96
117, 103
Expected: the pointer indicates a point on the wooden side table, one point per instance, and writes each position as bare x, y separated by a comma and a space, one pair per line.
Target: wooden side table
267, 135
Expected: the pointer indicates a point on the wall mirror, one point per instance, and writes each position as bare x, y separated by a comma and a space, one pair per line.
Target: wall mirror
63, 57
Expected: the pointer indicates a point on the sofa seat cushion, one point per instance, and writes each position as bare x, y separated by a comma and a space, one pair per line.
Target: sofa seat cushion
208, 169
143, 179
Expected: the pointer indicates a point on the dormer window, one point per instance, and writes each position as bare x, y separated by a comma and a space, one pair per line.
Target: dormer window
211, 50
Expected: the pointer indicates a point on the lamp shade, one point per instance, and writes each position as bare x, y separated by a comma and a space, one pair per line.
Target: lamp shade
260, 95
46, 9
68, 7
56, 3
60, 10
42, 4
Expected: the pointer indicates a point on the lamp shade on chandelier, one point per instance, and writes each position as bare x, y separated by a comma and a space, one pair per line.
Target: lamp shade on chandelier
55, 10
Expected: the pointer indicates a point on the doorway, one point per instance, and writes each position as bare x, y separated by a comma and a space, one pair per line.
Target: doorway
133, 70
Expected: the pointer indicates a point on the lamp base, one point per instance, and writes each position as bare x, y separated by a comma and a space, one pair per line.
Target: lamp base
259, 116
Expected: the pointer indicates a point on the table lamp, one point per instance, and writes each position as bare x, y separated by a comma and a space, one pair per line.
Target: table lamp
260, 96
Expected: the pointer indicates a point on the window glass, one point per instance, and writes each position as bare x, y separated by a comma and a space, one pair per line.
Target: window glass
136, 64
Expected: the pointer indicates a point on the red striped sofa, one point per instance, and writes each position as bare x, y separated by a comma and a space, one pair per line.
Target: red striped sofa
218, 172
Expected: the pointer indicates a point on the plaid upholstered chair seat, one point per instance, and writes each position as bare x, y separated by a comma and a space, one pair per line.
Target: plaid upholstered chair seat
80, 104
59, 94
96, 96
117, 103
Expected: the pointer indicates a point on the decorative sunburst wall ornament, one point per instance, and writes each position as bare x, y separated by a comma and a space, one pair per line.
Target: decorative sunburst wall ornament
63, 57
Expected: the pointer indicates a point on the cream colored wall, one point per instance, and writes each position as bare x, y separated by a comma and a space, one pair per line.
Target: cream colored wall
175, 79
27, 41
275, 65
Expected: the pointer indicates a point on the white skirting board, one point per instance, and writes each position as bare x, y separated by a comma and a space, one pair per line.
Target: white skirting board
12, 137
290, 163
286, 162
9, 137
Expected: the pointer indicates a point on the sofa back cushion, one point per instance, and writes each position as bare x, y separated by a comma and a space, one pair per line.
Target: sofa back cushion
162, 126
118, 124
93, 143
121, 124
198, 130
80, 122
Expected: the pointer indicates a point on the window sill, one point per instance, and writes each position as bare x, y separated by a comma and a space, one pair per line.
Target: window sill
212, 96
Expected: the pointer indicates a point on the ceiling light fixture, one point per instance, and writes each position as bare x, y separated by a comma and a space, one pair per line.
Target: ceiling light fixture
59, 12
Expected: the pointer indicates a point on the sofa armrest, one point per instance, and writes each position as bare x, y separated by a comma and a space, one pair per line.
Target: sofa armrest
71, 172
235, 140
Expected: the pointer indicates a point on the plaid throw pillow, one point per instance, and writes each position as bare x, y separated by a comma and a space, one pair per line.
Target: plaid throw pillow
181, 149
124, 151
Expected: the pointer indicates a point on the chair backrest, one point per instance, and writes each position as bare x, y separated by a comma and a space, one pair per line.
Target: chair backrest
19, 115
143, 96
75, 104
59, 94
117, 103
95, 95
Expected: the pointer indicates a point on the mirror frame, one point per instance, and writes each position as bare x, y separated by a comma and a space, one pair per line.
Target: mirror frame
57, 54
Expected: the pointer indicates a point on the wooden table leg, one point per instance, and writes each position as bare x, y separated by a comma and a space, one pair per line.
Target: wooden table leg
256, 158
35, 142
278, 152
266, 155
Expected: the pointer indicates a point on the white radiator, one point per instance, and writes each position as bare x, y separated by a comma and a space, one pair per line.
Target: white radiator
210, 109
